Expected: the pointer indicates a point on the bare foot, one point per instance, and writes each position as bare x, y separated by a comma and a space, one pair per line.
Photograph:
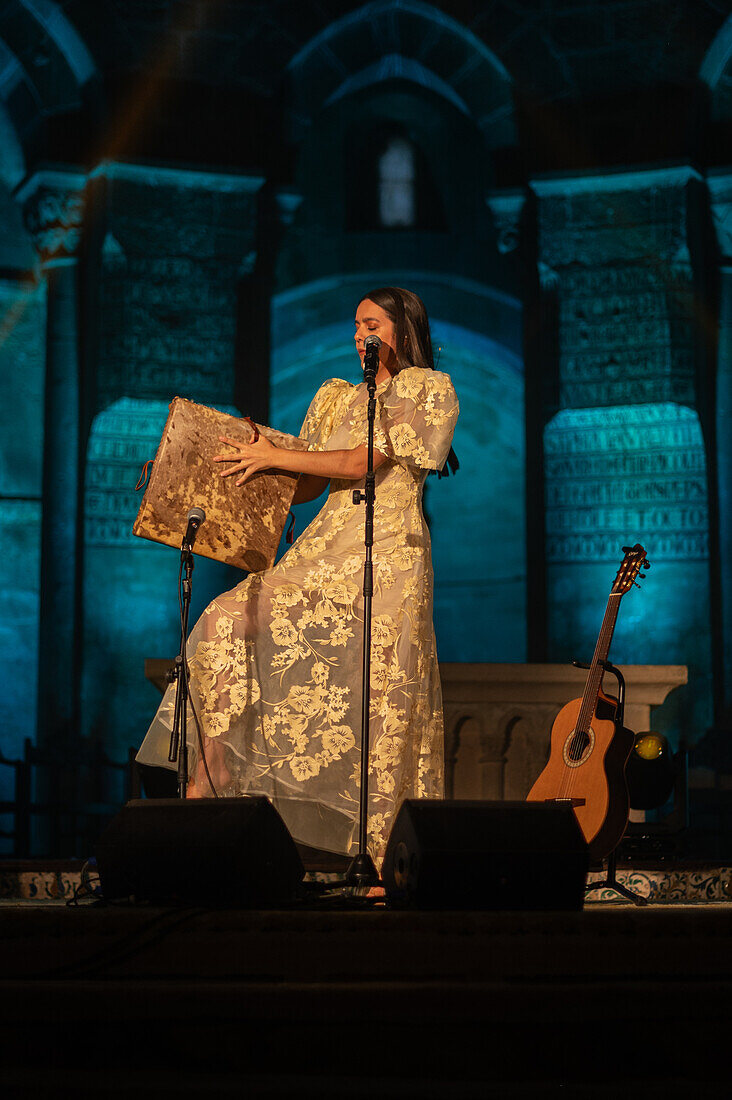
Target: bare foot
200, 785
192, 790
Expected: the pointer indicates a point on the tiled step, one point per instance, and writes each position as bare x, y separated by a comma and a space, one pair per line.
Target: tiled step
56, 880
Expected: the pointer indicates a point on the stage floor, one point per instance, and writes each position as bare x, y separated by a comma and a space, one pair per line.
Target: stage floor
350, 1002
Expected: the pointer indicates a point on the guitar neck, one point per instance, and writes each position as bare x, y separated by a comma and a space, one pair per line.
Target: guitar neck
594, 676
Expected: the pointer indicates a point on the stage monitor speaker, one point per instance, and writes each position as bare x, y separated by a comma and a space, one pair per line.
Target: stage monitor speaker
485, 855
217, 851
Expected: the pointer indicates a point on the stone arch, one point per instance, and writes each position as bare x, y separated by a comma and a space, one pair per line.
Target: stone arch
481, 577
478, 741
42, 56
58, 28
409, 66
465, 726
412, 41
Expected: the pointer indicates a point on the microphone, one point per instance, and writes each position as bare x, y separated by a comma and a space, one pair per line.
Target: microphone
371, 347
195, 517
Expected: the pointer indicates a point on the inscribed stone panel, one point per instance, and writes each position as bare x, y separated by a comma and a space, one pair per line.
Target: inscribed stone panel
626, 474
615, 477
130, 599
122, 439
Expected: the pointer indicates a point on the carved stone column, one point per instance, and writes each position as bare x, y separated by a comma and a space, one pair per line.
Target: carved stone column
169, 250
624, 448
54, 205
720, 187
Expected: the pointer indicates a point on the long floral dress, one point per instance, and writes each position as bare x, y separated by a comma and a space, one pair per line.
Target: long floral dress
276, 663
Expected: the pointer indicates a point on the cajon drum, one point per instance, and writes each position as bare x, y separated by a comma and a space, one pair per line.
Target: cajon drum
244, 523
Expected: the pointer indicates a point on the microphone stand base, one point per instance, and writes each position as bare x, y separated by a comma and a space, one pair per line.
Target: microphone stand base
362, 871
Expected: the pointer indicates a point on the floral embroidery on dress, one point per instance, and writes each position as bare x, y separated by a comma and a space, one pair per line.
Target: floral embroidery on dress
276, 662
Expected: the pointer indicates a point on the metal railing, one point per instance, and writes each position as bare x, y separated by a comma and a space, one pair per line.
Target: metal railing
60, 800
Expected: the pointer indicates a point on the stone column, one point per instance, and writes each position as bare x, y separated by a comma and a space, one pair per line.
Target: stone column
175, 245
53, 204
624, 441
720, 186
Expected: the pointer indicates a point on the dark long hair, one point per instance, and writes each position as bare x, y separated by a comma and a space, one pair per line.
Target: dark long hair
412, 329
406, 312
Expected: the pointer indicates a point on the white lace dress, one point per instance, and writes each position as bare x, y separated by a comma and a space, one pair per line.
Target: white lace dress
276, 662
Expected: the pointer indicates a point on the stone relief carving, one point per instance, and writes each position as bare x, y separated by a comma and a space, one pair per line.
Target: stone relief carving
54, 216
506, 210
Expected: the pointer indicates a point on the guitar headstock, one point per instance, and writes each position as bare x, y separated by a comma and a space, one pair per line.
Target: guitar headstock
629, 572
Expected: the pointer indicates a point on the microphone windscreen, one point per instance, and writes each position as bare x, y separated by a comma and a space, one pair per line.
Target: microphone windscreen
372, 341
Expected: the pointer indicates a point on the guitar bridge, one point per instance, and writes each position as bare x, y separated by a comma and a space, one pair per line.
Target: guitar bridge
568, 801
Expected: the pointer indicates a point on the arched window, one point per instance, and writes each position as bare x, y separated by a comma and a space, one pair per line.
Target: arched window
397, 184
389, 185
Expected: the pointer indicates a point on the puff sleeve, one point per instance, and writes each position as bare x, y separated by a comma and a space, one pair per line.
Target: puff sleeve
418, 416
325, 413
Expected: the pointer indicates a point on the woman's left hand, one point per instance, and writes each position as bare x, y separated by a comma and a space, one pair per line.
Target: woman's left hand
251, 458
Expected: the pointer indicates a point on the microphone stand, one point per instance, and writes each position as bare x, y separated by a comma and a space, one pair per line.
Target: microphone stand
179, 673
362, 870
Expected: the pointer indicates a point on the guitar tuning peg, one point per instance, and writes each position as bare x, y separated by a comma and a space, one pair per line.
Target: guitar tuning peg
635, 584
646, 564
627, 549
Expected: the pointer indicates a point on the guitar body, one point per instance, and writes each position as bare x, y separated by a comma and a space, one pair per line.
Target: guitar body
589, 746
589, 770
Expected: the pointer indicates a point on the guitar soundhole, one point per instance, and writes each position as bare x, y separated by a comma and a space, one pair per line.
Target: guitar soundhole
578, 747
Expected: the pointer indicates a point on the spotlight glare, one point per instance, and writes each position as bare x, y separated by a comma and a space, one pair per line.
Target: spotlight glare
650, 746
650, 771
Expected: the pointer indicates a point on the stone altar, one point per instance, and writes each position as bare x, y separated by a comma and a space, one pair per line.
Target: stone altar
498, 718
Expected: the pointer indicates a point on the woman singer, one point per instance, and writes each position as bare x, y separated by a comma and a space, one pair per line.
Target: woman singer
276, 663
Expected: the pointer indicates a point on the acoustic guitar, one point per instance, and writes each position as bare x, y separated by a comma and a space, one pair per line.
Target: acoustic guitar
589, 745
